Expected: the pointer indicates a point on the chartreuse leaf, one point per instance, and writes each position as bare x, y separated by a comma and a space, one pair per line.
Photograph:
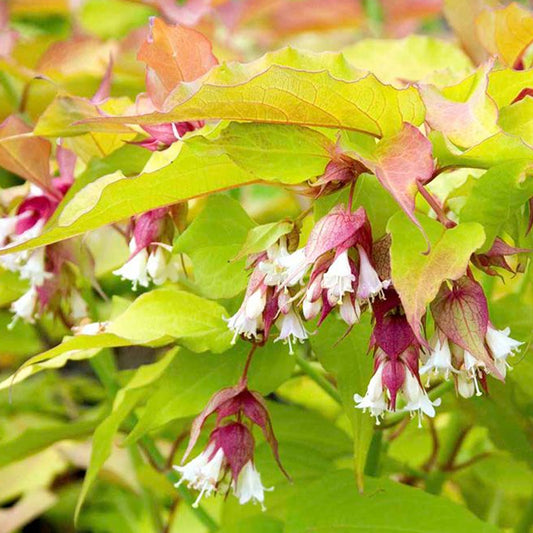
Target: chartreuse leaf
195, 322
71, 349
192, 379
333, 504
295, 153
417, 276
125, 401
111, 198
291, 87
412, 58
36, 439
261, 237
498, 148
351, 365
155, 318
517, 119
212, 240
497, 195
506, 84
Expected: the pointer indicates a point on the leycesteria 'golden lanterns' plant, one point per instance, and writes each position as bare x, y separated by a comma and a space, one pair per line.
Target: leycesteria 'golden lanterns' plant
246, 266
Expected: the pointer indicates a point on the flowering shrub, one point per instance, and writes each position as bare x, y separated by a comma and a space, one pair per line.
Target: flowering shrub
232, 270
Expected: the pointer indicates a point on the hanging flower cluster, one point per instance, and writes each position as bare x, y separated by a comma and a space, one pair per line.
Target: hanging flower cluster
340, 268
49, 270
338, 256
227, 462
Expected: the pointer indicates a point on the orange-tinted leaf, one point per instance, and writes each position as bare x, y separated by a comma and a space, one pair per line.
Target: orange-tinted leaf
506, 32
173, 54
400, 163
26, 156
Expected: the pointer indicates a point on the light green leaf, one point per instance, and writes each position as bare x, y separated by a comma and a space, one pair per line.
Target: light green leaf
413, 58
193, 379
333, 504
416, 276
212, 240
506, 84
111, 198
497, 195
351, 365
33, 440
295, 153
193, 321
517, 119
292, 87
497, 149
261, 237
71, 349
125, 401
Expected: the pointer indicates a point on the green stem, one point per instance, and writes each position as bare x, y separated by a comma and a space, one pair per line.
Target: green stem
374, 14
318, 378
433, 394
105, 370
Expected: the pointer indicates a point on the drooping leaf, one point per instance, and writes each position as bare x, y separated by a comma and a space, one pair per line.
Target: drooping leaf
418, 277
295, 88
496, 195
212, 240
195, 322
402, 163
111, 198
125, 401
351, 365
506, 32
295, 153
333, 504
173, 54
465, 122
24, 154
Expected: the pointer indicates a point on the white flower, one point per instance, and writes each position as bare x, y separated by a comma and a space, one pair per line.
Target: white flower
369, 283
78, 306
338, 278
24, 307
471, 365
440, 360
33, 269
291, 328
501, 347
374, 399
91, 328
295, 265
203, 472
311, 309
161, 266
248, 320
249, 486
273, 268
350, 312
135, 269
8, 226
465, 385
417, 399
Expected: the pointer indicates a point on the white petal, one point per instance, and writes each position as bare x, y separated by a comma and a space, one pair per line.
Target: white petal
24, 307
249, 486
369, 283
135, 270
500, 344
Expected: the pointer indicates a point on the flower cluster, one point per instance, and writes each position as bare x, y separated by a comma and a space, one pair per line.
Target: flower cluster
338, 258
227, 462
150, 244
342, 268
52, 280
